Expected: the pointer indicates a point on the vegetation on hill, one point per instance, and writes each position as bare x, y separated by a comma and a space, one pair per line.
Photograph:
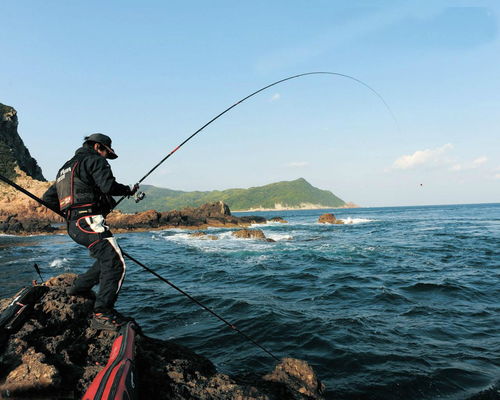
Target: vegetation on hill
287, 194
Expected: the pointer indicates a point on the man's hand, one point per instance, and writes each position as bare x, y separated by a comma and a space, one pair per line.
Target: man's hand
134, 189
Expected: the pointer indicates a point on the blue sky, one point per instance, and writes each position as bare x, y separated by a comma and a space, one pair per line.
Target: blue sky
151, 73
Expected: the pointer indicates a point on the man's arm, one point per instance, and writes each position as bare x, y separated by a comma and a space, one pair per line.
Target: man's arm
50, 197
102, 175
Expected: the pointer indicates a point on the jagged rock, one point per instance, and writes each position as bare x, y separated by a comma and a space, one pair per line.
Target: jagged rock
251, 234
297, 375
215, 209
329, 219
13, 152
33, 374
10, 224
278, 219
56, 354
215, 214
252, 219
145, 219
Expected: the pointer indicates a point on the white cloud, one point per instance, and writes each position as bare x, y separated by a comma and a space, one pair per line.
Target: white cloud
480, 161
275, 97
477, 163
497, 176
422, 157
297, 164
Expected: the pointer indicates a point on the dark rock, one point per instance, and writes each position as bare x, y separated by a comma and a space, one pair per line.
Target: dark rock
215, 214
250, 234
298, 376
12, 225
55, 354
252, 219
12, 149
278, 219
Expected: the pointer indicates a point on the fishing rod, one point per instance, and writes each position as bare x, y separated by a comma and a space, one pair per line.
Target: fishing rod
253, 94
58, 212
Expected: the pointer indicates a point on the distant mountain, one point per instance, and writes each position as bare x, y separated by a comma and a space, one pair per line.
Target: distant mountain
280, 195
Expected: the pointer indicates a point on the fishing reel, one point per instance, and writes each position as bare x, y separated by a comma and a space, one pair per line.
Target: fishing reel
138, 196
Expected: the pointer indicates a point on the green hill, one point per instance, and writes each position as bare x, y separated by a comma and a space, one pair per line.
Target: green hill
291, 194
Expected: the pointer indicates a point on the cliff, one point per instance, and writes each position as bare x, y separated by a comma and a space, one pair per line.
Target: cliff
55, 354
13, 152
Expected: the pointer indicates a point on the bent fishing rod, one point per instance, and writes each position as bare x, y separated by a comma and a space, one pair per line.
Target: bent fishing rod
253, 94
58, 212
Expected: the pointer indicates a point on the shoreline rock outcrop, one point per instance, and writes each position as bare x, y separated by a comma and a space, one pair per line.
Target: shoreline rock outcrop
57, 355
329, 218
251, 234
13, 152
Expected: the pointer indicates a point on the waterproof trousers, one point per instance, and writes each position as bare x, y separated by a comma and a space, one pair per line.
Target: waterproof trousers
108, 269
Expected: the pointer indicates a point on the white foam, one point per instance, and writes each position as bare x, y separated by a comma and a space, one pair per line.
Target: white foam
225, 242
354, 221
59, 263
278, 236
268, 223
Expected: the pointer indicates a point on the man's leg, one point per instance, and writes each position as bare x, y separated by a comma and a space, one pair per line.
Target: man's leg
86, 281
112, 273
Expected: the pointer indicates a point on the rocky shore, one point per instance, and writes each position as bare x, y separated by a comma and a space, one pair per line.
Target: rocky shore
20, 215
55, 354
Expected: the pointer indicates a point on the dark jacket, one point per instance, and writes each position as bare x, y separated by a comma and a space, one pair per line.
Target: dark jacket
94, 171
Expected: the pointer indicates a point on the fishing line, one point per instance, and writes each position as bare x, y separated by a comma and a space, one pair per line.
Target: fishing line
253, 94
58, 212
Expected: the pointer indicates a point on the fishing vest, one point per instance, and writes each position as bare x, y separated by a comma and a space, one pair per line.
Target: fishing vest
71, 190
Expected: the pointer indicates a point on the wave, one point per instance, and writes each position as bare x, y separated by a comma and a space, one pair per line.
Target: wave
59, 263
354, 221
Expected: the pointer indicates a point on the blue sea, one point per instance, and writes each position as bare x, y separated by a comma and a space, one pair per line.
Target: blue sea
398, 303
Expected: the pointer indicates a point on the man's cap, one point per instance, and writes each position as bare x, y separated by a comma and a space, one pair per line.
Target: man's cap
105, 141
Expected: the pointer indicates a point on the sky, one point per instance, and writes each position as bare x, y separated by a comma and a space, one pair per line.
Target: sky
151, 73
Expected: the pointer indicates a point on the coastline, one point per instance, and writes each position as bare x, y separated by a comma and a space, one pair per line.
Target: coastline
304, 207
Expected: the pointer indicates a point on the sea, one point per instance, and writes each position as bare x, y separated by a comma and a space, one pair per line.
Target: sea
397, 303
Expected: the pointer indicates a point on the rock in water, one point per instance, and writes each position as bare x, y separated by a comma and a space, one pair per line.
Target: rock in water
278, 219
329, 218
56, 355
298, 376
251, 234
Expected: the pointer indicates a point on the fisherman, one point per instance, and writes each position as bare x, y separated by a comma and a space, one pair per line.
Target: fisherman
83, 192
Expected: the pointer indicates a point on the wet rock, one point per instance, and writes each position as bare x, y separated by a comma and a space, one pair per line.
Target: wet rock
329, 219
56, 354
215, 214
251, 234
252, 219
278, 219
298, 376
201, 235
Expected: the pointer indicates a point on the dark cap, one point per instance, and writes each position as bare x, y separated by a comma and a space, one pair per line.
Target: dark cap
105, 141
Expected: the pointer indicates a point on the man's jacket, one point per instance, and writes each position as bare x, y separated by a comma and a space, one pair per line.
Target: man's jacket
85, 180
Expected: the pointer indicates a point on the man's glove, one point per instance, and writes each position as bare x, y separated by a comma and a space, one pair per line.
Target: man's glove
134, 189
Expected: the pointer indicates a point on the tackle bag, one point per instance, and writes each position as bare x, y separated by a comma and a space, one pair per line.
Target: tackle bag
117, 380
16, 313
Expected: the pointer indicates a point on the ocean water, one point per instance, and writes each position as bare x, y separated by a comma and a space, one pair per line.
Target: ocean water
398, 303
